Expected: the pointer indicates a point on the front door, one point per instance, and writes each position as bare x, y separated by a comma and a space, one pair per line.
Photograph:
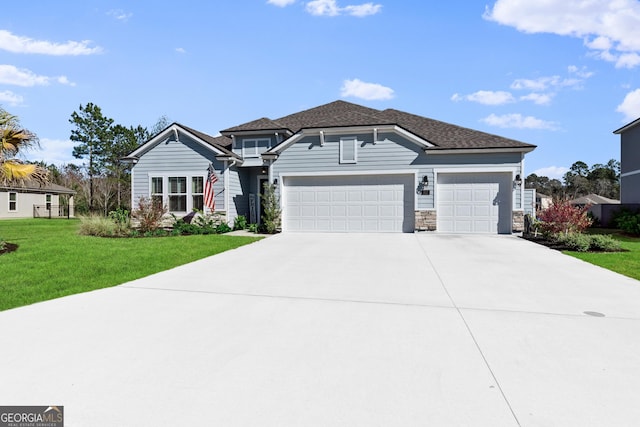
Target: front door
262, 180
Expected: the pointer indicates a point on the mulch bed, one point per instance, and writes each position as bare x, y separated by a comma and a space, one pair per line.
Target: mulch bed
8, 247
555, 245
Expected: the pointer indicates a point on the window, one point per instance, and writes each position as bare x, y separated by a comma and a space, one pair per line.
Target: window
13, 202
177, 194
156, 190
348, 150
253, 147
197, 190
48, 201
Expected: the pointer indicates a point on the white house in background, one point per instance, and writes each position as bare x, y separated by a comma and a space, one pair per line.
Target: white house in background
343, 167
32, 200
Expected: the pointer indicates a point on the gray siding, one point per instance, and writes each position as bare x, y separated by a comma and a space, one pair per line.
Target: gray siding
630, 189
630, 150
237, 197
530, 202
169, 156
391, 152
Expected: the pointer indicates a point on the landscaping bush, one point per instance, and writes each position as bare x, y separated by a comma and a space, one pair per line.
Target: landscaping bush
628, 221
120, 217
200, 224
149, 215
271, 206
604, 243
574, 241
222, 228
253, 228
562, 217
96, 225
240, 223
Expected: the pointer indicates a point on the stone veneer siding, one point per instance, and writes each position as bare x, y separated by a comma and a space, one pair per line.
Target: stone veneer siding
425, 220
518, 221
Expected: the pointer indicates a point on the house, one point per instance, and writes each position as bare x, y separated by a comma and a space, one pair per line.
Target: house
33, 200
342, 167
629, 162
601, 208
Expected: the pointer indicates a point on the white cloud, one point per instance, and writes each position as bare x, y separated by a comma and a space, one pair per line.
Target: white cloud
281, 3
331, 8
181, 50
12, 75
538, 98
553, 172
363, 9
630, 106
120, 14
55, 151
20, 44
486, 97
369, 91
519, 121
611, 29
11, 98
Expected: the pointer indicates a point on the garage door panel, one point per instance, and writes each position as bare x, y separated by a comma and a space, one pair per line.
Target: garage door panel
474, 202
349, 203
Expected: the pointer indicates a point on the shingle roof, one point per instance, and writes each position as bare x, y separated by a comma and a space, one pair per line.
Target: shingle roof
345, 114
220, 142
32, 186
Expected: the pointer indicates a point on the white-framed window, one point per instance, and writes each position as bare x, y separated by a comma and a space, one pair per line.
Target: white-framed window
254, 147
181, 192
349, 150
13, 202
197, 193
157, 193
178, 193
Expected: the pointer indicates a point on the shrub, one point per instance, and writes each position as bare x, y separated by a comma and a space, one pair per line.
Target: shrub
253, 228
240, 223
149, 215
628, 221
223, 227
271, 209
3, 244
562, 217
574, 241
96, 225
604, 243
121, 219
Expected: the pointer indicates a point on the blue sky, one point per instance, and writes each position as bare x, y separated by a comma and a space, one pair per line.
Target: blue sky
561, 74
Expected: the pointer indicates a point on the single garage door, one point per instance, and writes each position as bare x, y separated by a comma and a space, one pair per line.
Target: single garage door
474, 203
358, 203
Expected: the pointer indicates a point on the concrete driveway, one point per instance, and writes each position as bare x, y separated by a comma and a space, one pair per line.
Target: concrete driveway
340, 330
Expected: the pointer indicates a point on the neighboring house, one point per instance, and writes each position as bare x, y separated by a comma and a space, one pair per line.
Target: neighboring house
543, 201
629, 162
343, 167
32, 200
602, 208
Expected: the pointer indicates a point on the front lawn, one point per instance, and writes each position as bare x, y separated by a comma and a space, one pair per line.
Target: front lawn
627, 263
52, 260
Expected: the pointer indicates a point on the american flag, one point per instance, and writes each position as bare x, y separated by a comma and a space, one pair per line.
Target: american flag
209, 195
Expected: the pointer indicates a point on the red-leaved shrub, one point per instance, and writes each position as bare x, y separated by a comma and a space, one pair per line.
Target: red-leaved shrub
563, 217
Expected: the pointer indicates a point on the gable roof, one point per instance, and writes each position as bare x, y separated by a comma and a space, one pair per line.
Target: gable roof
627, 126
218, 144
594, 199
439, 134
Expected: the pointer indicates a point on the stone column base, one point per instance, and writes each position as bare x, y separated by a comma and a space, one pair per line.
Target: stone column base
517, 221
425, 220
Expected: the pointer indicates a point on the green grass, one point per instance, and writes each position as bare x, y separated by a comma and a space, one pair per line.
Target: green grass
53, 260
627, 263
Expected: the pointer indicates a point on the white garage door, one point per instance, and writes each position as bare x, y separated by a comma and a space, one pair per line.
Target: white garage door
474, 203
362, 203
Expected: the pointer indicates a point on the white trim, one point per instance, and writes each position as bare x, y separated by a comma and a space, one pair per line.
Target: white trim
349, 139
256, 145
349, 131
165, 187
225, 176
626, 174
479, 150
166, 135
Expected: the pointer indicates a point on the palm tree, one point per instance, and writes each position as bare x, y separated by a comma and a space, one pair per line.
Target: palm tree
13, 140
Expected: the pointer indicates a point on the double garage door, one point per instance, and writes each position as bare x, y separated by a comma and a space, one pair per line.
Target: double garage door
474, 203
353, 203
